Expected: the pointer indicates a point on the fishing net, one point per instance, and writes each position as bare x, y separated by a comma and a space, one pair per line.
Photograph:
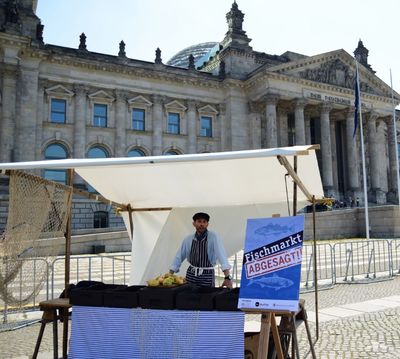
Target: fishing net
37, 216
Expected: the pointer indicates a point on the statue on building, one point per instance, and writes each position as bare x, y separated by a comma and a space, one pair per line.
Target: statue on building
361, 55
191, 62
82, 41
158, 59
221, 72
39, 32
235, 20
12, 12
122, 52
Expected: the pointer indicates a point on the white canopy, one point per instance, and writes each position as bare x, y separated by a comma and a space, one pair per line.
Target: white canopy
230, 186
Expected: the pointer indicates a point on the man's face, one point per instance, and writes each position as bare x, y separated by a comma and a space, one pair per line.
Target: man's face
200, 225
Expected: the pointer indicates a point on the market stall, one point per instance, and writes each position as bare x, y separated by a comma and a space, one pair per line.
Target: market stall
160, 194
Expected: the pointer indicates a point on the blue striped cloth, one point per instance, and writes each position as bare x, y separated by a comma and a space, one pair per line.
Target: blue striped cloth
117, 333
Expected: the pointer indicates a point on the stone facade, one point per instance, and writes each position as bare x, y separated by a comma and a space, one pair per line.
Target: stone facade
91, 104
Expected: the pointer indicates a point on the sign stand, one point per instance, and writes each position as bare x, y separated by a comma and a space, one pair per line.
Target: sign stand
268, 323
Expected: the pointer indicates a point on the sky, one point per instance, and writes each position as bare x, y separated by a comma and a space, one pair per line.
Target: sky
309, 27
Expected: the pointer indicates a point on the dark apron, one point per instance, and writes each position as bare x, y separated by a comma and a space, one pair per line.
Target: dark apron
200, 271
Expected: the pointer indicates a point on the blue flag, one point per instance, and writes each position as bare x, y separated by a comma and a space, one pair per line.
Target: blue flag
356, 103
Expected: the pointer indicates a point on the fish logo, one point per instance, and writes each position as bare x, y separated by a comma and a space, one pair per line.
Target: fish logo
274, 282
273, 229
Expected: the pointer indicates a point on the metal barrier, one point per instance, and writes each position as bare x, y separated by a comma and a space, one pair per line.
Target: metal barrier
326, 270
350, 262
395, 256
362, 260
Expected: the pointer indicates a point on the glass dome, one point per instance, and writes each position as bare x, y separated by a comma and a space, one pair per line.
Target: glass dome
201, 53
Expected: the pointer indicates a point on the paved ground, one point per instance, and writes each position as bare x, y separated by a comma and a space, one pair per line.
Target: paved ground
367, 329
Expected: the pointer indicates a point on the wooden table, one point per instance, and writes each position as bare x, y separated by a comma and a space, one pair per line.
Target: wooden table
54, 310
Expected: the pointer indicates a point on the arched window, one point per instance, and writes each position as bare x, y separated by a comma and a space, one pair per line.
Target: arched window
97, 152
100, 219
55, 151
171, 153
136, 153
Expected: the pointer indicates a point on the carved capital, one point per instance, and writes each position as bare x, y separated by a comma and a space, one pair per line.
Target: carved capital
271, 99
300, 103
326, 108
373, 116
191, 105
158, 99
253, 106
80, 90
120, 95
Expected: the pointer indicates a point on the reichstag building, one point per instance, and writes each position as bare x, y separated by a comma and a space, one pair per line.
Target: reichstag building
59, 102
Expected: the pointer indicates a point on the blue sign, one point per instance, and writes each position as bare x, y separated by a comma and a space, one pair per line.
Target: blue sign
272, 264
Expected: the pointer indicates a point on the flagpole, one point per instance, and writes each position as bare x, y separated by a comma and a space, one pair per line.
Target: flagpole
395, 142
362, 155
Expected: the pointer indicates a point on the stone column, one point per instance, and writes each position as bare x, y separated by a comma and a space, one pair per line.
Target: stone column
326, 149
283, 127
299, 122
25, 119
392, 153
307, 128
192, 128
157, 119
334, 160
255, 125
352, 158
373, 155
270, 111
7, 124
224, 144
382, 162
80, 122
120, 129
39, 120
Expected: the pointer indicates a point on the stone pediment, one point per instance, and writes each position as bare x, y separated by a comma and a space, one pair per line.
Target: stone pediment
101, 96
140, 100
208, 109
59, 90
335, 68
175, 105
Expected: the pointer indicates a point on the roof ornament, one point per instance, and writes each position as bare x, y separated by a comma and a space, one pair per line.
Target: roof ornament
122, 52
191, 62
158, 59
39, 32
82, 42
361, 55
222, 72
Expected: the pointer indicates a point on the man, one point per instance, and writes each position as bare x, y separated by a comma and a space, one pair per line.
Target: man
202, 250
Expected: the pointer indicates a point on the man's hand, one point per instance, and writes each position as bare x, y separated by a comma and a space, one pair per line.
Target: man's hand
227, 283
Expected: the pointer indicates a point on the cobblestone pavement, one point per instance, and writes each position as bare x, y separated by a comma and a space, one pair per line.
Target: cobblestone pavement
369, 335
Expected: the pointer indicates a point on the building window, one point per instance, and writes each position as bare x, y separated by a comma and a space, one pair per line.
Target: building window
58, 111
100, 219
96, 152
171, 153
138, 116
173, 123
99, 115
55, 152
206, 126
136, 153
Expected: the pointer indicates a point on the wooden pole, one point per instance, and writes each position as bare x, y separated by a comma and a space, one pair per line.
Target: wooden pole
64, 313
295, 187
